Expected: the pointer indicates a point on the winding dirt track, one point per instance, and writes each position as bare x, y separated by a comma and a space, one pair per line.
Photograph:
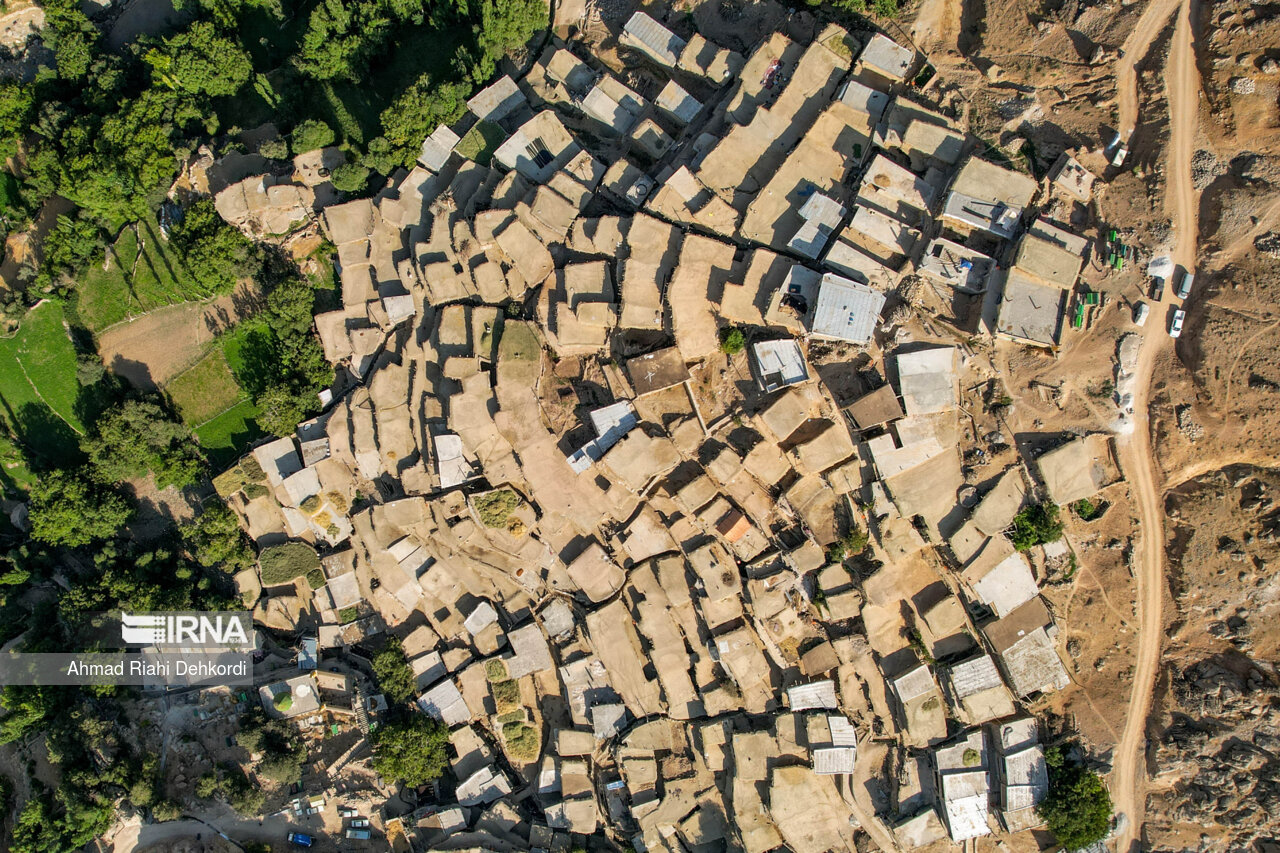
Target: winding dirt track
1182, 85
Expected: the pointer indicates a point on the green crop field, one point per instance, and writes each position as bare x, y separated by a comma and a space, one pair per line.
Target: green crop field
205, 389
38, 386
224, 437
135, 281
214, 405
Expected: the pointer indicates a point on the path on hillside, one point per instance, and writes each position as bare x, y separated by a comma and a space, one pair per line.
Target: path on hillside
1182, 85
1135, 48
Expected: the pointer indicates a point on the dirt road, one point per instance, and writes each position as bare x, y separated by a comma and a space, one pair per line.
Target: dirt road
1135, 47
1128, 787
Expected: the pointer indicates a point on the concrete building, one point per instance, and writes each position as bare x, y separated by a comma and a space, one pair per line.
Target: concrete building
987, 197
777, 364
885, 59
845, 310
654, 40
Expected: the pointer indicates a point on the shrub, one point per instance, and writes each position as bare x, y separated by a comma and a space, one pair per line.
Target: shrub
283, 563
310, 135
310, 505
1086, 509
971, 758
166, 810
283, 702
275, 149
348, 614
732, 341
253, 491
1036, 525
1077, 809
496, 507
349, 177
851, 544
315, 579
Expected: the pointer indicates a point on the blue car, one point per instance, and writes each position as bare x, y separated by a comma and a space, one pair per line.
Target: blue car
300, 839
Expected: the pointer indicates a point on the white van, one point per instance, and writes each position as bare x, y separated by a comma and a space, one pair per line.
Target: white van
1184, 284
1140, 312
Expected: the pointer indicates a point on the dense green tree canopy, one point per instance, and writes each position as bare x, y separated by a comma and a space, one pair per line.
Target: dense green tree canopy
200, 60
68, 509
1077, 808
216, 253
138, 437
411, 751
395, 676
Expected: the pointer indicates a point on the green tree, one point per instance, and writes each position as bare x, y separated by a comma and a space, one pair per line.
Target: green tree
411, 751
281, 409
201, 61
72, 37
732, 341
506, 25
17, 112
216, 254
69, 247
340, 38
138, 437
418, 110
310, 135
27, 709
216, 540
395, 676
68, 509
350, 177
1036, 525
1077, 808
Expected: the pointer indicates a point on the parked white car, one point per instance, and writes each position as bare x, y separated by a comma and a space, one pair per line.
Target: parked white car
1175, 325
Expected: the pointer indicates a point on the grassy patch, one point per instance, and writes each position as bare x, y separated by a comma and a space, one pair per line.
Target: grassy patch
495, 671
496, 507
224, 437
506, 695
315, 579
284, 563
246, 473
142, 274
523, 741
348, 614
38, 386
481, 141
205, 390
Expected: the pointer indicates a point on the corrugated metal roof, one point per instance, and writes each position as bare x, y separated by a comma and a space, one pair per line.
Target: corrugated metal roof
658, 41
842, 731
676, 101
437, 147
832, 760
808, 697
974, 676
846, 310
914, 684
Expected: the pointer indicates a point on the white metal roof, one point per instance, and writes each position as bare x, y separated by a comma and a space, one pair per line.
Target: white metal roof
497, 100
832, 760
846, 310
1008, 585
914, 684
654, 39
842, 731
781, 363
437, 147
967, 818
445, 702
818, 695
886, 56
974, 676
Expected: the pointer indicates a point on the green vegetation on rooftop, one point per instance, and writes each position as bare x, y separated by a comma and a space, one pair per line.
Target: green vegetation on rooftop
287, 562
495, 508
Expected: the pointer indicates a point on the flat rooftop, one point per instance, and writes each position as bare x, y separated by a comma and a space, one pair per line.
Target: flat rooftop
1031, 311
